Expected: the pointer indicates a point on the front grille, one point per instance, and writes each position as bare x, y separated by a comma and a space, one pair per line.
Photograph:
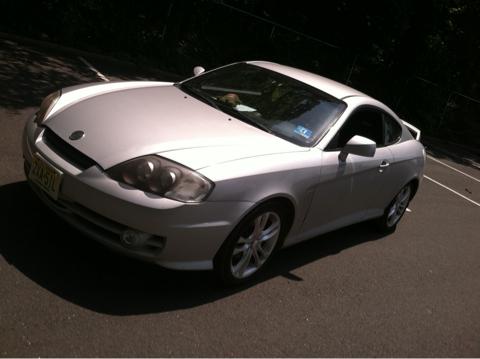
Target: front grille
66, 151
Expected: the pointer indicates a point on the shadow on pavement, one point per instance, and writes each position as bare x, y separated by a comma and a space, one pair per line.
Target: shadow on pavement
28, 75
120, 71
456, 153
76, 268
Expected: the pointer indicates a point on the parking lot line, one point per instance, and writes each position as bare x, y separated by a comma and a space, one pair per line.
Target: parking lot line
453, 168
98, 73
452, 190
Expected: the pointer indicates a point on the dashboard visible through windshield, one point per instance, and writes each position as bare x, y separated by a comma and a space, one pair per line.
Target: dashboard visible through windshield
266, 99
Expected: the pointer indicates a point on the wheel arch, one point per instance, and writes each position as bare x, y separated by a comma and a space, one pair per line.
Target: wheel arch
415, 182
281, 200
290, 211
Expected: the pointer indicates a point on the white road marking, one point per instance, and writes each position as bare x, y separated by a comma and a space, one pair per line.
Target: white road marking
451, 190
98, 73
453, 168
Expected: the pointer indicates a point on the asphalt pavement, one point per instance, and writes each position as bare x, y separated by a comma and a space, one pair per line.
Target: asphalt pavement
352, 292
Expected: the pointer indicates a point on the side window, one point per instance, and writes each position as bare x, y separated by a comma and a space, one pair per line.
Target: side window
392, 130
364, 122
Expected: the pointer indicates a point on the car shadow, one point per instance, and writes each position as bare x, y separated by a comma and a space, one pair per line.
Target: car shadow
63, 261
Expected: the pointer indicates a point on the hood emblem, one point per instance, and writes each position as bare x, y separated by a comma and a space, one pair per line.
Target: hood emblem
76, 135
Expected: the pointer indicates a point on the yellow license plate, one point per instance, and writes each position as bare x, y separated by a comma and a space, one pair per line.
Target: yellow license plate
45, 176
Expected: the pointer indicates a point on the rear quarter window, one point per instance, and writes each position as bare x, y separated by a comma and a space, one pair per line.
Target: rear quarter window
392, 130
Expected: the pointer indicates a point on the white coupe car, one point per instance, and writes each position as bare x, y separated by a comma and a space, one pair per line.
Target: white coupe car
220, 170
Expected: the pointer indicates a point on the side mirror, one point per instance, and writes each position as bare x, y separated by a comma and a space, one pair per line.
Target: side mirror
358, 145
197, 70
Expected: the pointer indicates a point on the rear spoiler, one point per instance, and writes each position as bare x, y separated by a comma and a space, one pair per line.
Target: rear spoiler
413, 130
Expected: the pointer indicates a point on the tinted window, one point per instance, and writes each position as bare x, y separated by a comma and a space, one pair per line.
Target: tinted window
363, 122
393, 130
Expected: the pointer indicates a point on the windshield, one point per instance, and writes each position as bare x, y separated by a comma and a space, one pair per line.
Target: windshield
271, 101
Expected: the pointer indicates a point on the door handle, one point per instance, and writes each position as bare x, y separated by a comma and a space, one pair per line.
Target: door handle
383, 166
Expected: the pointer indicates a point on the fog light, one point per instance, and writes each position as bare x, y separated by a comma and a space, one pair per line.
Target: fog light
132, 238
156, 243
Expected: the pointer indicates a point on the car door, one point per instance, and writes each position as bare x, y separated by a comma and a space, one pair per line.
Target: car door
399, 168
356, 189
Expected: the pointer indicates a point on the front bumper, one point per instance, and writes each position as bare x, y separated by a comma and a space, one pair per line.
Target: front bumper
102, 209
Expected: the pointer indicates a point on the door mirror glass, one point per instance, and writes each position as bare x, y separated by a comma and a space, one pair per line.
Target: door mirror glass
358, 145
197, 70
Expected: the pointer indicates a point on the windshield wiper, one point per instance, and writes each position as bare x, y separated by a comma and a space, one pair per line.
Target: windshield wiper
242, 117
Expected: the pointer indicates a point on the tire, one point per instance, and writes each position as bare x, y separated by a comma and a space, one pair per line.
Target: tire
395, 210
251, 244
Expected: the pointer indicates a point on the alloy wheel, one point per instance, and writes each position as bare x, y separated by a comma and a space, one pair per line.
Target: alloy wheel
255, 245
398, 207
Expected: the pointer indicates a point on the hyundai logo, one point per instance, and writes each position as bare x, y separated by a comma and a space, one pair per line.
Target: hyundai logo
76, 135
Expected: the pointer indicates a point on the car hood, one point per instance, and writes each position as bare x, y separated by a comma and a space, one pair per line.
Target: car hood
128, 123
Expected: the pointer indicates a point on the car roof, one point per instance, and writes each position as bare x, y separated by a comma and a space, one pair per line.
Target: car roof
334, 88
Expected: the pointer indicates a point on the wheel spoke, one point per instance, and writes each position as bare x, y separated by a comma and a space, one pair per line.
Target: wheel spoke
404, 196
274, 227
243, 240
243, 263
264, 220
260, 223
262, 252
256, 257
240, 249
392, 211
269, 235
257, 227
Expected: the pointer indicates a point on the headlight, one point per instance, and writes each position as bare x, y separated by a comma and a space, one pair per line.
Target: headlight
46, 106
162, 177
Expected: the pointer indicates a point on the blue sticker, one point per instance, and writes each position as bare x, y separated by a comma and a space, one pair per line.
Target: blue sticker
304, 132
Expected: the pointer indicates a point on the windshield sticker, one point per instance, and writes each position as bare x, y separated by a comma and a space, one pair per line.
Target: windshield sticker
304, 132
244, 108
